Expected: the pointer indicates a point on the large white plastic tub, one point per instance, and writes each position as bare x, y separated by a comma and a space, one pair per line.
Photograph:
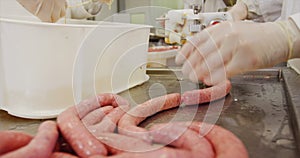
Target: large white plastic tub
46, 68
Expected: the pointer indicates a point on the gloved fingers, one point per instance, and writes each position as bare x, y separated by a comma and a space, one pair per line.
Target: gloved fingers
242, 62
196, 74
189, 47
231, 69
187, 67
239, 11
55, 13
207, 47
212, 70
215, 61
197, 56
209, 78
209, 60
218, 31
229, 47
190, 63
30, 5
58, 10
204, 69
220, 57
216, 76
184, 53
214, 41
44, 10
63, 11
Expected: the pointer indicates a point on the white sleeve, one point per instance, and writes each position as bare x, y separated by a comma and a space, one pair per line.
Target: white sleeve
270, 9
213, 5
263, 10
81, 9
296, 19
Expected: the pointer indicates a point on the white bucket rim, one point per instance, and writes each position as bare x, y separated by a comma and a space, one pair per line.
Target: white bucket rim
85, 23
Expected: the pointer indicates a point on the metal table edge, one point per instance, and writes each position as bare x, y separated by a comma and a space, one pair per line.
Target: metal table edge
292, 89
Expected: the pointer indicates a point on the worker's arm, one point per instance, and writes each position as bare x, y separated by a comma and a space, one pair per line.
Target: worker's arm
257, 10
52, 10
231, 48
81, 9
46, 10
292, 27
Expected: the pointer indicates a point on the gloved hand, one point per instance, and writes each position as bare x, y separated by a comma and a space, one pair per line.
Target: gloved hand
239, 11
46, 10
230, 48
82, 9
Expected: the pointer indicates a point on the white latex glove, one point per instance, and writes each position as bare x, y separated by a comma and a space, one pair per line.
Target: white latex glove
95, 6
46, 10
230, 48
239, 11
82, 9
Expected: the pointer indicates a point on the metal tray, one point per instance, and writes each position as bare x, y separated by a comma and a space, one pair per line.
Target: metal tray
262, 109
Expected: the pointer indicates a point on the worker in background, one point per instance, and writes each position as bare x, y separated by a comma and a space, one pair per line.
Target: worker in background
208, 5
213, 5
230, 48
53, 10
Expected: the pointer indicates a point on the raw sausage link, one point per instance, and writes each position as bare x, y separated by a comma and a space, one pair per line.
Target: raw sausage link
105, 99
96, 116
225, 143
183, 138
12, 140
62, 155
63, 146
164, 152
117, 143
109, 122
128, 123
206, 95
41, 145
77, 135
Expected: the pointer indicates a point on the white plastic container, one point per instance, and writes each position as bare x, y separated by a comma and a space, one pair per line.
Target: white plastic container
162, 58
44, 65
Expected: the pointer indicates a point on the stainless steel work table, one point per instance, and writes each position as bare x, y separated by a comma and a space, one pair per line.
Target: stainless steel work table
262, 109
